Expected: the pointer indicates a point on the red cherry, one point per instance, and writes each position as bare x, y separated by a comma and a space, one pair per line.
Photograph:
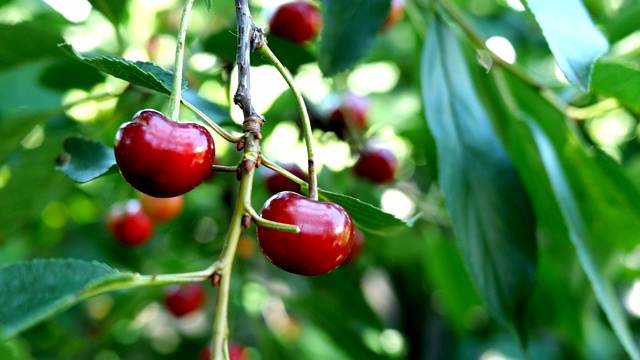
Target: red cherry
352, 113
161, 209
324, 240
129, 224
395, 14
298, 21
184, 299
358, 242
277, 182
163, 158
376, 164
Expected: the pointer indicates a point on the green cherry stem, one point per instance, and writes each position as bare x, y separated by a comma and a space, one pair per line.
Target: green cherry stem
275, 167
270, 224
176, 86
220, 322
212, 124
304, 115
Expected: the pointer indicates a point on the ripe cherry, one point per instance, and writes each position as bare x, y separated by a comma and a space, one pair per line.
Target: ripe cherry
352, 113
298, 21
376, 164
129, 224
358, 242
277, 182
184, 299
395, 14
163, 158
324, 240
161, 209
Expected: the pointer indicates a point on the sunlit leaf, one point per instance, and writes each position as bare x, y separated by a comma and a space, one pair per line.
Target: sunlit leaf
595, 200
140, 73
619, 81
39, 289
490, 211
573, 38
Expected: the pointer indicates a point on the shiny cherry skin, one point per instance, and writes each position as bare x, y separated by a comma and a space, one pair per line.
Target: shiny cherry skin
129, 224
324, 240
395, 14
298, 21
376, 164
358, 242
184, 299
163, 158
277, 182
352, 113
161, 210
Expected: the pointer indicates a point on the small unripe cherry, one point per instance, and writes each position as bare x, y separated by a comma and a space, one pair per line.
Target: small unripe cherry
129, 224
161, 209
376, 164
298, 21
184, 299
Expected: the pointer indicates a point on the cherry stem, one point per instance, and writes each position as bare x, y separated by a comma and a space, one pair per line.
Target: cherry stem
212, 124
260, 221
176, 85
275, 167
155, 280
304, 115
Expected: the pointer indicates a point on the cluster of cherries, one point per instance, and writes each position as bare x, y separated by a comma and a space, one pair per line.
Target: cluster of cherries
164, 159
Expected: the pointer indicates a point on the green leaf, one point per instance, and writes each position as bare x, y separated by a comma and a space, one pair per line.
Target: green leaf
111, 9
26, 42
574, 40
84, 160
598, 204
39, 289
490, 211
207, 3
140, 73
224, 45
619, 81
366, 216
349, 31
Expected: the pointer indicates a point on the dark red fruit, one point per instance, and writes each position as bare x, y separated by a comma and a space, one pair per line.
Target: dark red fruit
395, 14
376, 164
324, 240
298, 21
161, 209
184, 299
163, 158
358, 242
351, 113
277, 182
129, 224
236, 352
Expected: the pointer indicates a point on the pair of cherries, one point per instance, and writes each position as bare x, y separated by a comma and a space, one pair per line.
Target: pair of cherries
164, 158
